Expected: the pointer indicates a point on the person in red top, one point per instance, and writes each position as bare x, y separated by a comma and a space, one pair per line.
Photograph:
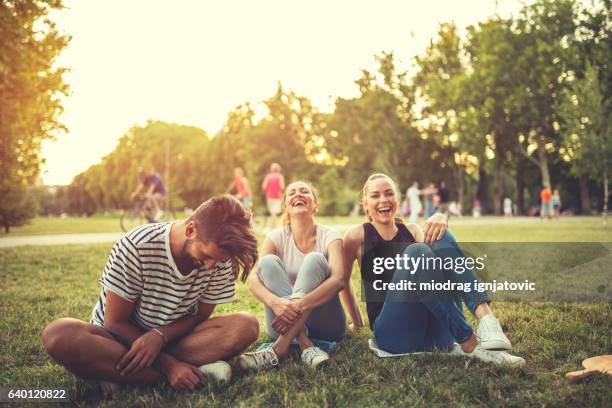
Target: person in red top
545, 197
273, 185
240, 187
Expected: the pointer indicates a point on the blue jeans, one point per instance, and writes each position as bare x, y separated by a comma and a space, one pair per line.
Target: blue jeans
412, 322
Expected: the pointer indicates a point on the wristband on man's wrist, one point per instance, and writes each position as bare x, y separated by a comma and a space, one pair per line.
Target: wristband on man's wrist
162, 335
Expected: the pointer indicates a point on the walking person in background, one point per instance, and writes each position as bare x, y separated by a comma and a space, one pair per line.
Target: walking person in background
556, 203
444, 194
414, 201
240, 187
273, 185
545, 198
429, 194
507, 207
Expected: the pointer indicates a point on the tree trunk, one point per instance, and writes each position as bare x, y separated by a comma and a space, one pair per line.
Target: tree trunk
7, 228
585, 201
520, 188
459, 170
498, 187
483, 188
605, 206
543, 161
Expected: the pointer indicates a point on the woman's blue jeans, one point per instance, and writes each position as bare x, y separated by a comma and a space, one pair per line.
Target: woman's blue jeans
418, 321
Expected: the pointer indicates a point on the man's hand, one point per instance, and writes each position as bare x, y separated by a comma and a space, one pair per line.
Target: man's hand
184, 377
435, 227
143, 353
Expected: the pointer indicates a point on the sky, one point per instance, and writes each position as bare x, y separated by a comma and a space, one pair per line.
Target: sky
192, 62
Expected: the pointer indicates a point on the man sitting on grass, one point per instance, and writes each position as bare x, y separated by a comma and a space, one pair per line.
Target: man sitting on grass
159, 288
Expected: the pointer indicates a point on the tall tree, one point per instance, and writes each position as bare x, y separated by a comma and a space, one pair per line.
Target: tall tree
543, 28
30, 89
587, 131
376, 131
447, 117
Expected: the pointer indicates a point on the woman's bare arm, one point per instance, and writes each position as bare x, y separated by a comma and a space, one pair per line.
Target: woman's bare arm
353, 240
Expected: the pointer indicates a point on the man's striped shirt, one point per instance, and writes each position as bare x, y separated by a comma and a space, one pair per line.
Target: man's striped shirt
141, 270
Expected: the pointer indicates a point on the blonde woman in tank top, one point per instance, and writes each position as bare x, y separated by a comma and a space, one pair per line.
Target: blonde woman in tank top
405, 321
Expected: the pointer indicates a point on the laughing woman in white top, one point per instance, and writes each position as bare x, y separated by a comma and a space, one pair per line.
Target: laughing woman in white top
299, 276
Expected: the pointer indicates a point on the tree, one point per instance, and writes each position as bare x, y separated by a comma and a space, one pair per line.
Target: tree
177, 152
543, 30
448, 119
587, 131
30, 87
375, 132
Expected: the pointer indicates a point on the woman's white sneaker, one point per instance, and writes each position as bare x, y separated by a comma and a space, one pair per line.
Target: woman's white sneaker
219, 371
314, 356
491, 356
490, 334
259, 359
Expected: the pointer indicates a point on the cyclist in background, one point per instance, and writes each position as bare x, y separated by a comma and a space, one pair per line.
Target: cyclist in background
152, 187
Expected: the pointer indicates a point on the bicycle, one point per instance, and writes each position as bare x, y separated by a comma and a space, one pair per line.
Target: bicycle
141, 213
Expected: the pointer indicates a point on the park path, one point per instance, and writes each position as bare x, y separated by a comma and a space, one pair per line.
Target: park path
94, 238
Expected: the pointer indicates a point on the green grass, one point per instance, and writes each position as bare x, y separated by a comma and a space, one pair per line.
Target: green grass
69, 225
40, 284
577, 229
574, 229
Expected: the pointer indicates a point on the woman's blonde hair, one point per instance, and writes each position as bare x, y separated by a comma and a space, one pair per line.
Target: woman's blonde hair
285, 219
364, 192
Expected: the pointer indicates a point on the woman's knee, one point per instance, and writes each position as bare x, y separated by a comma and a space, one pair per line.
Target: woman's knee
269, 265
418, 249
448, 239
316, 261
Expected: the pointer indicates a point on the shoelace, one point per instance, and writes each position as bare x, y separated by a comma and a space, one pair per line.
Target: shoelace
496, 356
310, 354
266, 357
489, 326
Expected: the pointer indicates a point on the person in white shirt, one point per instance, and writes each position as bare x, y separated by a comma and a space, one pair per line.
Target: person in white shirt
414, 201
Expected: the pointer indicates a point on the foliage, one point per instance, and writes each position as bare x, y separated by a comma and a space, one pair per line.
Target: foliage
17, 208
477, 111
30, 89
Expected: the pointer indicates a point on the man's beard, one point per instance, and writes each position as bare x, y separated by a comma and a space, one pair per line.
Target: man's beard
185, 259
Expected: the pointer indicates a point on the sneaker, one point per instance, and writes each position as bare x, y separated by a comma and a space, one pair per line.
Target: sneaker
491, 336
314, 356
259, 359
491, 356
219, 371
158, 215
109, 388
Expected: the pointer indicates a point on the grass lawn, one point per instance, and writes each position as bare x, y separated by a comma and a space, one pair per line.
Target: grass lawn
68, 225
569, 229
39, 284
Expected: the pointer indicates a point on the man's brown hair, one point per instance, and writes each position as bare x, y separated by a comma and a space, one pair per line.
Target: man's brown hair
226, 222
